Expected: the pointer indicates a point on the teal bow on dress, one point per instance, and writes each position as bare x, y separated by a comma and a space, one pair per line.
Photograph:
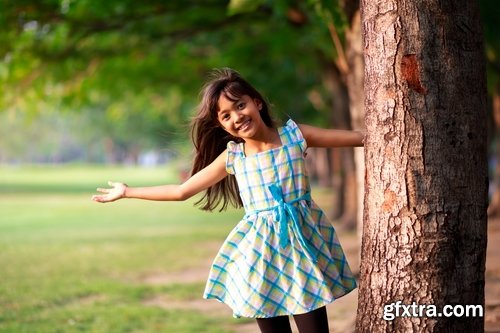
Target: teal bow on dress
285, 211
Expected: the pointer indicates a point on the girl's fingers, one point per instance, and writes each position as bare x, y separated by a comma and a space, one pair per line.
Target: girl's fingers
97, 198
110, 194
100, 198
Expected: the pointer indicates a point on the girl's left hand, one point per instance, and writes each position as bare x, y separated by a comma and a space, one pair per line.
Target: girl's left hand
117, 191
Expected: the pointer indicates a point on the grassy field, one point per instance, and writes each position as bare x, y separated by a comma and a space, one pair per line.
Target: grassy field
68, 264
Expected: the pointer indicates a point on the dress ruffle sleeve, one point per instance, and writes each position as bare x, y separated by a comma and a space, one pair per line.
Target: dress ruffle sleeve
295, 135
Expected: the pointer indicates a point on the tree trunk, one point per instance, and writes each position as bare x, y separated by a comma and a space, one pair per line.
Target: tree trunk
424, 234
322, 167
338, 185
354, 82
340, 119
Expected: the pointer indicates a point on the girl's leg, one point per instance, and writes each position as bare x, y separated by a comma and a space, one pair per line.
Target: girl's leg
279, 324
313, 322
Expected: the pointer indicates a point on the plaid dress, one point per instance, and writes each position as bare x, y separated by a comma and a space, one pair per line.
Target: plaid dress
283, 257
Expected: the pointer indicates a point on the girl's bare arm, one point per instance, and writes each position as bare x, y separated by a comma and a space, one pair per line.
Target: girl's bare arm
210, 175
321, 137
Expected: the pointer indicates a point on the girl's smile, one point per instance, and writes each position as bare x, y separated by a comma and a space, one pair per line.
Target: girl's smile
244, 126
240, 118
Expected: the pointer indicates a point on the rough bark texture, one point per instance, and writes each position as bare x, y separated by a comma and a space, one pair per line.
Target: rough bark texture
424, 235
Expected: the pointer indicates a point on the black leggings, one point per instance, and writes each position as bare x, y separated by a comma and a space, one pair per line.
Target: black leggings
312, 322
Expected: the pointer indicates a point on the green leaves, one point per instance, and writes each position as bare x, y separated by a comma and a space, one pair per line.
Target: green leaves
490, 11
243, 6
134, 69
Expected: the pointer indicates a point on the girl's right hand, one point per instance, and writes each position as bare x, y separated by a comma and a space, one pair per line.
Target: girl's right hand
117, 191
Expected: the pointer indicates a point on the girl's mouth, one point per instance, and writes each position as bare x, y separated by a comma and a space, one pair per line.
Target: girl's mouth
244, 126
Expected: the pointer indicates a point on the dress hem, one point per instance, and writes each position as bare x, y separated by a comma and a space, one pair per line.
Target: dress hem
281, 313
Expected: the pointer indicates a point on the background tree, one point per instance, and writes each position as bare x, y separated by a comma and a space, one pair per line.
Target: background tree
490, 11
424, 236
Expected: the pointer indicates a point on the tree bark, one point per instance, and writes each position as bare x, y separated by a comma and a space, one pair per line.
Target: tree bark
424, 234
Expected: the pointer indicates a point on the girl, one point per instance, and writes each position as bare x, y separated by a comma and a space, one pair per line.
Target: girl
283, 258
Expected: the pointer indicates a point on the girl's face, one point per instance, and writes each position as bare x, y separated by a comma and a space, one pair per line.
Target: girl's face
240, 118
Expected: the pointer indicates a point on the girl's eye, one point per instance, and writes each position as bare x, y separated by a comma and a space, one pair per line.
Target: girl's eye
241, 106
225, 116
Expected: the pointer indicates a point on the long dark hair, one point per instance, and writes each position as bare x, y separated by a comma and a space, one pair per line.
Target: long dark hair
210, 139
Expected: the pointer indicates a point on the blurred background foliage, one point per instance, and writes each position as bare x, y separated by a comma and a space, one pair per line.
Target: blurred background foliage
107, 81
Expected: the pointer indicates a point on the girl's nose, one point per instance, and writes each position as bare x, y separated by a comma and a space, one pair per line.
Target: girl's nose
239, 116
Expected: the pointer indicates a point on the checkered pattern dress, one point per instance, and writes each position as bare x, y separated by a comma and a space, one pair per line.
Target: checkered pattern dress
283, 257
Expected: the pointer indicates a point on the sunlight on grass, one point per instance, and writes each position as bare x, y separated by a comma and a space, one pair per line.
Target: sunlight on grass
77, 178
71, 265
68, 264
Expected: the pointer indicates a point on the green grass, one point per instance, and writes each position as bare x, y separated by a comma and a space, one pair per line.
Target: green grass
77, 178
68, 264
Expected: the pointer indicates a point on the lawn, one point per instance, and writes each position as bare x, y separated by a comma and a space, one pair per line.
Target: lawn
68, 264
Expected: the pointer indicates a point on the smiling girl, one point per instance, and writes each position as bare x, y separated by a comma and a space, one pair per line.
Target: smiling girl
283, 258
